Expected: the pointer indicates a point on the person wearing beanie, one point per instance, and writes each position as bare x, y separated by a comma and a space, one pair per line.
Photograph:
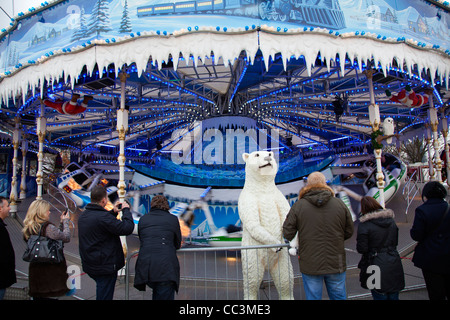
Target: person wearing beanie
323, 223
431, 230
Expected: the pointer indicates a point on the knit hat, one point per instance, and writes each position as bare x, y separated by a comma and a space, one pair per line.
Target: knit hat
434, 189
316, 178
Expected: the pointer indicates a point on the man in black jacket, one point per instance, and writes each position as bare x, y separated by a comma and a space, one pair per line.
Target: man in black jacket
100, 247
7, 257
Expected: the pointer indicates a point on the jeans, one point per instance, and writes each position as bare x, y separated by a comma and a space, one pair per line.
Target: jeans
334, 282
164, 290
105, 285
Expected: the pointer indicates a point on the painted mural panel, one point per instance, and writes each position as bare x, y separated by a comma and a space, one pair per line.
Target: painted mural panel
73, 23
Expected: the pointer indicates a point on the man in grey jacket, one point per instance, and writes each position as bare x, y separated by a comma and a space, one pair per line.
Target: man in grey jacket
323, 223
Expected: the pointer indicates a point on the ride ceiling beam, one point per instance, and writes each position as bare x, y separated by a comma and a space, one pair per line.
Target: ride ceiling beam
314, 137
322, 121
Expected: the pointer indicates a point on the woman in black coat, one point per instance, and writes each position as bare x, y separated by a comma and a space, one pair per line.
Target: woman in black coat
157, 264
377, 240
431, 229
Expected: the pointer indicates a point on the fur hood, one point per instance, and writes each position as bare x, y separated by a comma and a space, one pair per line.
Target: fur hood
382, 213
317, 194
308, 188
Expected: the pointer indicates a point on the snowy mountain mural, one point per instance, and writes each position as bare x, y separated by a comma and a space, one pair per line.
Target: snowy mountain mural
75, 23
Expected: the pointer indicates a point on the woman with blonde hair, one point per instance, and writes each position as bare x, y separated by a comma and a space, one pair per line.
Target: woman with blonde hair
46, 279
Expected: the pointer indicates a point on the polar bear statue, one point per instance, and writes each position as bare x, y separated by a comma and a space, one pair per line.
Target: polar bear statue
262, 210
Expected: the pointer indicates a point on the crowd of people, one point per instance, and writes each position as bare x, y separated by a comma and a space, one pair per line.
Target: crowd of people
100, 248
323, 223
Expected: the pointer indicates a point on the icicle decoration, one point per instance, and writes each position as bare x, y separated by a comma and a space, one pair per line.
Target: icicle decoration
227, 44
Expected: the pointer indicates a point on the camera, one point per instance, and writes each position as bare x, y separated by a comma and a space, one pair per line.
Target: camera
119, 206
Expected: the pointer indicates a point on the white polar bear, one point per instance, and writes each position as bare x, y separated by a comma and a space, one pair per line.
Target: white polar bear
262, 210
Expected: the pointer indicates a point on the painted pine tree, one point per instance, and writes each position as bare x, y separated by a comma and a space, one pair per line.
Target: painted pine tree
81, 31
125, 23
99, 21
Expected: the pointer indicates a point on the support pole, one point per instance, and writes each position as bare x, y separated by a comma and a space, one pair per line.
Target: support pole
41, 130
23, 182
13, 195
431, 170
445, 135
122, 128
434, 122
374, 117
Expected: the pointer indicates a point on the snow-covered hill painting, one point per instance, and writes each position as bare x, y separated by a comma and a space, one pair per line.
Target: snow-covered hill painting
75, 23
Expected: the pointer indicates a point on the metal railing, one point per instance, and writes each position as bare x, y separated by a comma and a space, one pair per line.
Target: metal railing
410, 190
216, 272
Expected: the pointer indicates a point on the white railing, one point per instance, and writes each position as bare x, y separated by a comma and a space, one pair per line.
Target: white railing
410, 190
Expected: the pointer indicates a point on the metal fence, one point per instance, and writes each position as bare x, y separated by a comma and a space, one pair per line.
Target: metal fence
215, 273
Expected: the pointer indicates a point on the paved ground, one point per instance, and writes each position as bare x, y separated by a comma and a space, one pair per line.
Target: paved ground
215, 275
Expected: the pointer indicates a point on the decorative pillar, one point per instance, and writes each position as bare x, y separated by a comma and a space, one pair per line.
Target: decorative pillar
445, 135
374, 117
23, 182
16, 140
434, 122
122, 128
41, 130
431, 170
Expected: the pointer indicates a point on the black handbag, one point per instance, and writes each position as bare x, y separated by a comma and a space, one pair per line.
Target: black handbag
42, 249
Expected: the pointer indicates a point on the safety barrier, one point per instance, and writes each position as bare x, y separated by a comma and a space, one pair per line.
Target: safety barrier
215, 273
410, 190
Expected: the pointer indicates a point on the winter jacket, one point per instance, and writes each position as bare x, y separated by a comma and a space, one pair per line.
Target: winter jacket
323, 223
377, 240
432, 252
160, 236
7, 258
99, 234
